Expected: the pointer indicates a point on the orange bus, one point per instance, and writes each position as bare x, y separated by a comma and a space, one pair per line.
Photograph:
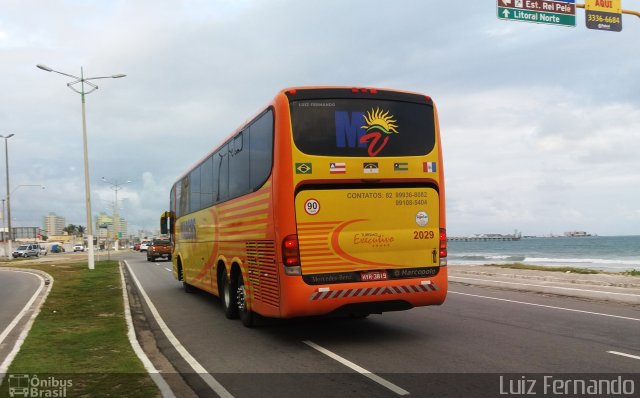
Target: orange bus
330, 201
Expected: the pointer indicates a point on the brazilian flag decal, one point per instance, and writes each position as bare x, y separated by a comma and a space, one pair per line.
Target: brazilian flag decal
303, 168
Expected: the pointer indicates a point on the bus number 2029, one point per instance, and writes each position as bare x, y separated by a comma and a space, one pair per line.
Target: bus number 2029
423, 235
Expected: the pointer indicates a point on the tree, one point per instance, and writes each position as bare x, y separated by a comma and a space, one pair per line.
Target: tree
70, 229
75, 230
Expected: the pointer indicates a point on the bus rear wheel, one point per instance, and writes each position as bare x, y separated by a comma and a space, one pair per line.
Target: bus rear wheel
229, 301
247, 317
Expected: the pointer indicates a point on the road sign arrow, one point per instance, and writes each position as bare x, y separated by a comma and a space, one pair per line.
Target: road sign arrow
506, 13
506, 2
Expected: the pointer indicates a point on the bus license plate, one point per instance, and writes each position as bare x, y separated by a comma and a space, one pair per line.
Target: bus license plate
373, 276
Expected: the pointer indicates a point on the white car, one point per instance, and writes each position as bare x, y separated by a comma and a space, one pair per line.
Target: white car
78, 248
144, 246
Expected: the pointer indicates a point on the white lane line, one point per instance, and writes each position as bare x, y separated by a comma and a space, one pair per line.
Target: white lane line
168, 269
546, 306
164, 388
26, 307
546, 286
4, 366
195, 365
358, 369
622, 354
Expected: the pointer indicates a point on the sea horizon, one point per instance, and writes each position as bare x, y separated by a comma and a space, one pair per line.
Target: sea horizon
617, 253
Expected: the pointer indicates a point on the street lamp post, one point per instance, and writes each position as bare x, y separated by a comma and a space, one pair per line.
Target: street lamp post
116, 217
6, 157
82, 80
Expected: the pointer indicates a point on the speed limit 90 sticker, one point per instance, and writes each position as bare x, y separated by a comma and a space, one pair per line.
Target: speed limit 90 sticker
312, 207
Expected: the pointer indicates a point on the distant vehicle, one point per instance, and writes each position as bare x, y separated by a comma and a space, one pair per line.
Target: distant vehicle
136, 247
144, 245
78, 248
57, 248
43, 250
159, 248
32, 250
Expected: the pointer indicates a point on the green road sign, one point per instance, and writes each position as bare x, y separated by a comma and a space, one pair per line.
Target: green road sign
562, 13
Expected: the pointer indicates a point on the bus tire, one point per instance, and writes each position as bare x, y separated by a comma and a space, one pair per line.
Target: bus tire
247, 316
229, 300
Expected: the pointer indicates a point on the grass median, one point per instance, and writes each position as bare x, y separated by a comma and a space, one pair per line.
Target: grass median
80, 336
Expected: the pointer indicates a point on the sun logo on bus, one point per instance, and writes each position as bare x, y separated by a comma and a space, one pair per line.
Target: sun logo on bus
379, 125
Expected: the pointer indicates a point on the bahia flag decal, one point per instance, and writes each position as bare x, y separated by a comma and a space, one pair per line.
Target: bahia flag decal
429, 167
337, 168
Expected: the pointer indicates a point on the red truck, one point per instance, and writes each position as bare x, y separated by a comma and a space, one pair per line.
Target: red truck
159, 248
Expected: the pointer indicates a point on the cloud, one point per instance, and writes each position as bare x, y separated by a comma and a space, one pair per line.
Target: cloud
538, 131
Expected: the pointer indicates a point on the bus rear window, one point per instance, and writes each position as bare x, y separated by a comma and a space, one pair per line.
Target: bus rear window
362, 127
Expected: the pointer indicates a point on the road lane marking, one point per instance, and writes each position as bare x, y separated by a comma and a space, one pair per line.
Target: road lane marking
164, 388
4, 366
24, 309
168, 269
357, 368
195, 365
622, 354
546, 286
547, 306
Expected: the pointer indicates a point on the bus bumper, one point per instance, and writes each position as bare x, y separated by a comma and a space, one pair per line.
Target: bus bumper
300, 299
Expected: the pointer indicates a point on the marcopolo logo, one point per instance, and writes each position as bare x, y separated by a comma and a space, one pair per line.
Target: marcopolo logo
369, 130
24, 385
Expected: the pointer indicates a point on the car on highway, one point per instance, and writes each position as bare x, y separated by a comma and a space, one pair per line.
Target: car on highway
144, 245
159, 248
78, 248
32, 250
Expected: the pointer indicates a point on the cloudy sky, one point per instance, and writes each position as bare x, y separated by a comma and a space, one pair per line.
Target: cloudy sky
540, 124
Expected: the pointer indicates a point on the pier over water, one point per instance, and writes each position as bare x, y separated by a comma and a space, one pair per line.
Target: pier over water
516, 236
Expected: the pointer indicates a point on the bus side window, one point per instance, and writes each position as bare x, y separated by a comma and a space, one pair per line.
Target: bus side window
207, 187
239, 165
194, 203
261, 149
183, 196
223, 173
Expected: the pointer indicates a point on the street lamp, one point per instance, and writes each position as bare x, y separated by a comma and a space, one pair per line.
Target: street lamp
6, 157
82, 80
116, 217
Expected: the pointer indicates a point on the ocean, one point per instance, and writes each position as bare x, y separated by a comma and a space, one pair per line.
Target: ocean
606, 253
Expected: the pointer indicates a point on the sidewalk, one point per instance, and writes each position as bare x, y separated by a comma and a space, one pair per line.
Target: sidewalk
610, 287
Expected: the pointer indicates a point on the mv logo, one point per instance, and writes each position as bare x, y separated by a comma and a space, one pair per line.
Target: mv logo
371, 130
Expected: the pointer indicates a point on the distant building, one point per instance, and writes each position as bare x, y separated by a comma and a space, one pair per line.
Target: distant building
26, 234
106, 228
53, 225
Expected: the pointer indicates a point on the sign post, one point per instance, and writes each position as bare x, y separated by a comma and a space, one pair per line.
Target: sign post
561, 12
603, 15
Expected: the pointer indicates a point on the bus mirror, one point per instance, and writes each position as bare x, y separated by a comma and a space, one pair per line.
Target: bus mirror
166, 223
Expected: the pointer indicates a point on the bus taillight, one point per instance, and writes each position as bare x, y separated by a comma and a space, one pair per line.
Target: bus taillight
291, 255
443, 247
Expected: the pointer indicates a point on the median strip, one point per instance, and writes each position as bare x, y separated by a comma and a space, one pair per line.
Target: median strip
78, 344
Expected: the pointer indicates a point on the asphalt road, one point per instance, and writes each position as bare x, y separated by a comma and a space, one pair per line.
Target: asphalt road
16, 288
472, 345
